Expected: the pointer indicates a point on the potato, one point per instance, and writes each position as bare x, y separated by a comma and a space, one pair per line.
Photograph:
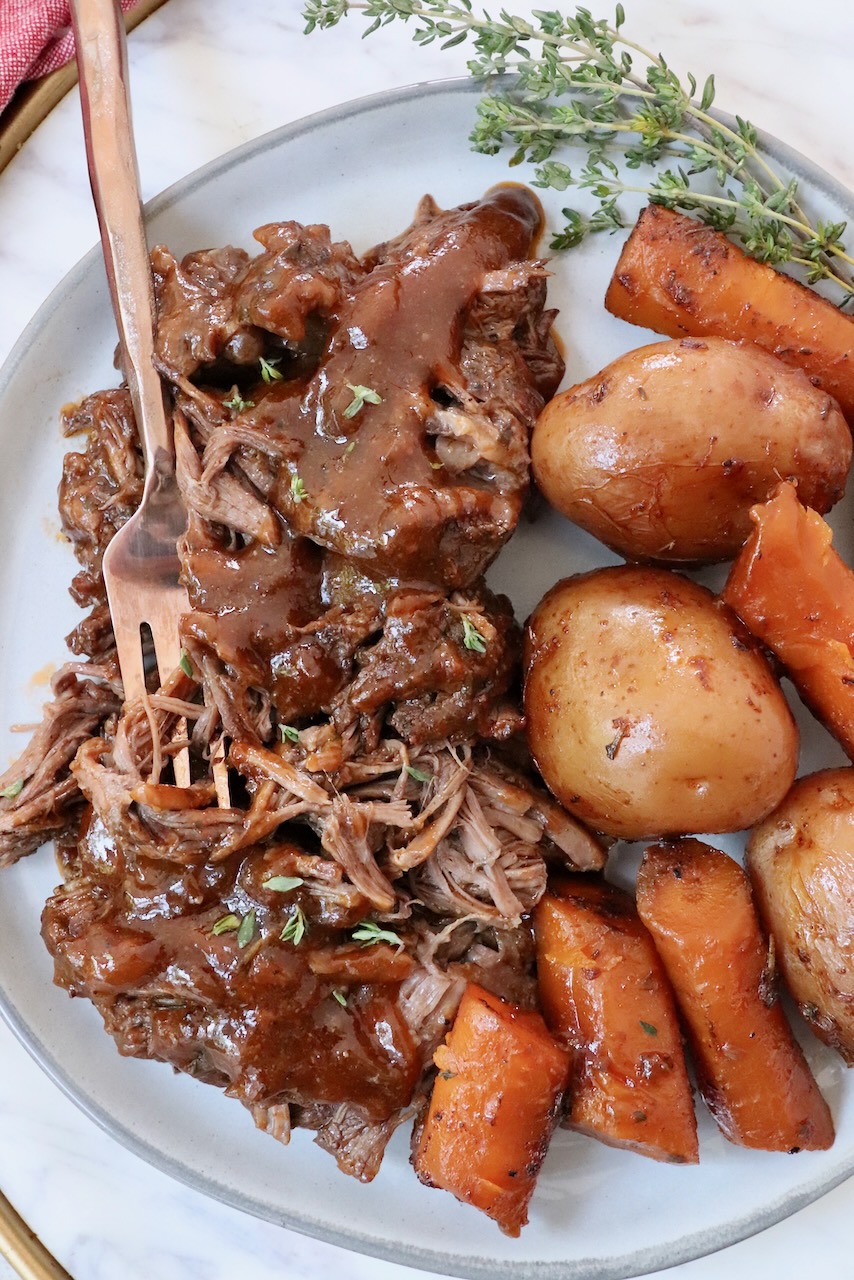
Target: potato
651, 711
662, 454
801, 862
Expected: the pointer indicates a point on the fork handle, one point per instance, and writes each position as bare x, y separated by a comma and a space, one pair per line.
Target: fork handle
103, 68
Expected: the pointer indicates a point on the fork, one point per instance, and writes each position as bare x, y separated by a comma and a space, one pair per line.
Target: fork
141, 565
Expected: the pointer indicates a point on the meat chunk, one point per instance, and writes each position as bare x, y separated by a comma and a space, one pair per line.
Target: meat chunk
411, 328
101, 486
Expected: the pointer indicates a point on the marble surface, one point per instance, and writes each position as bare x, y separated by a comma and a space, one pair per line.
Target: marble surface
207, 75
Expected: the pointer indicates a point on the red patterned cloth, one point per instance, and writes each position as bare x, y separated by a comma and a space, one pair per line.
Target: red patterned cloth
35, 38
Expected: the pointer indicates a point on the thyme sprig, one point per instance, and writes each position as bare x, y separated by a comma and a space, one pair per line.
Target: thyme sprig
581, 82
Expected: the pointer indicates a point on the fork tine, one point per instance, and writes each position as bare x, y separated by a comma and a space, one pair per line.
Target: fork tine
126, 628
167, 650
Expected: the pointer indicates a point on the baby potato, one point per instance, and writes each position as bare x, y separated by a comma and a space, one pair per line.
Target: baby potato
801, 862
662, 454
650, 709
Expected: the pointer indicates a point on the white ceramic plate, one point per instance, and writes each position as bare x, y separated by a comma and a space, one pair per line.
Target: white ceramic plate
597, 1212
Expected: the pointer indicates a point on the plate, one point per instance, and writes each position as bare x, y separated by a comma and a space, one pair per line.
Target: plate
597, 1212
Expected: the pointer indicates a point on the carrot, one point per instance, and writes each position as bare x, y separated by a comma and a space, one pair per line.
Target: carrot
493, 1109
605, 993
677, 276
796, 595
753, 1077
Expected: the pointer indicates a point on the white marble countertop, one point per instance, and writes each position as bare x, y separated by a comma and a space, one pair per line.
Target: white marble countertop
207, 75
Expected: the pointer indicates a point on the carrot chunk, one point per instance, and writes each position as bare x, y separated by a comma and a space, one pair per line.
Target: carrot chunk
754, 1078
493, 1109
605, 993
795, 594
677, 276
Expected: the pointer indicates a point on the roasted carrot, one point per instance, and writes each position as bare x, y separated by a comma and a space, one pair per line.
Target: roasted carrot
677, 277
493, 1109
605, 994
796, 595
754, 1078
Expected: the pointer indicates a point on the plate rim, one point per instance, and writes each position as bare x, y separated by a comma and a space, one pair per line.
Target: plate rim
618, 1267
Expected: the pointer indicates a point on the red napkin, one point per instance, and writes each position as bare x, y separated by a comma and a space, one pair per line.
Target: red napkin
35, 38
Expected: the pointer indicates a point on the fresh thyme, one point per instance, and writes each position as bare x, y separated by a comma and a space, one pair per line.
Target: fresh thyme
283, 884
237, 403
582, 83
185, 664
418, 775
369, 933
361, 397
269, 372
298, 489
288, 733
243, 926
340, 997
296, 927
472, 639
13, 789
226, 924
246, 932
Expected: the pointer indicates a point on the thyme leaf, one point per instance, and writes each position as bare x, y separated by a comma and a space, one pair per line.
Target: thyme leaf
237, 403
269, 372
246, 932
283, 884
418, 775
296, 927
369, 933
298, 489
472, 639
361, 397
289, 733
226, 924
582, 84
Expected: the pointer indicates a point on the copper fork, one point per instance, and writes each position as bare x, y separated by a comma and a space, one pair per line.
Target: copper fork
141, 566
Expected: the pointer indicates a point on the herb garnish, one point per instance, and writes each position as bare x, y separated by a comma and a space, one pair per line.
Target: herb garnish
298, 489
626, 103
649, 1028
14, 789
283, 884
246, 932
418, 774
237, 403
340, 997
472, 639
185, 664
269, 372
289, 733
361, 397
369, 932
296, 927
226, 924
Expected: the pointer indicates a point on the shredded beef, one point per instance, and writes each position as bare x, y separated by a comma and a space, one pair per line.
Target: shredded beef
352, 448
